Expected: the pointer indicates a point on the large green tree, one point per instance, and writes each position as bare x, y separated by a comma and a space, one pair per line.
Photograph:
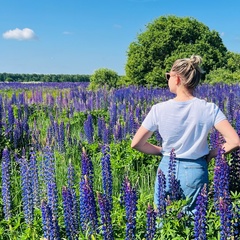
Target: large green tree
166, 39
103, 77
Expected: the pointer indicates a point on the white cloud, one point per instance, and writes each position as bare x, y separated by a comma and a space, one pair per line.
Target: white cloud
24, 34
117, 26
67, 33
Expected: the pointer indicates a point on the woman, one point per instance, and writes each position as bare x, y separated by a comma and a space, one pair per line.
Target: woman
184, 123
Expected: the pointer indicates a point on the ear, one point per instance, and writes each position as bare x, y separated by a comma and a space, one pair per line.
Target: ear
178, 80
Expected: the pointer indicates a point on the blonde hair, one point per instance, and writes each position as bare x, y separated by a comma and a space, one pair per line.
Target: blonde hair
189, 70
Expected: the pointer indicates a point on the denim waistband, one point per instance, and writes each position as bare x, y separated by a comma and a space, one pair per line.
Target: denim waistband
192, 160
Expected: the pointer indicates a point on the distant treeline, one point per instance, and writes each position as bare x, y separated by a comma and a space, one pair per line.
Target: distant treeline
17, 77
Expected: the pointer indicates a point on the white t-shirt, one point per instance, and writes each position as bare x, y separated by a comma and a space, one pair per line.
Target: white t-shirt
184, 126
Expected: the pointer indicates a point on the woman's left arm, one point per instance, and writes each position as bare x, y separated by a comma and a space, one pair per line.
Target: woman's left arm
140, 143
230, 136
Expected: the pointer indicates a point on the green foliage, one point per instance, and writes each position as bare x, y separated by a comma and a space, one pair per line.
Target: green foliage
103, 77
17, 77
223, 75
140, 168
167, 39
233, 61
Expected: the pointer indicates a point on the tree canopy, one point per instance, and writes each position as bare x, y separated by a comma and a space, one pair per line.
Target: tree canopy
22, 77
103, 77
166, 39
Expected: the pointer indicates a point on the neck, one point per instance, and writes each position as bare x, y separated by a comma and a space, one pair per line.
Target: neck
184, 95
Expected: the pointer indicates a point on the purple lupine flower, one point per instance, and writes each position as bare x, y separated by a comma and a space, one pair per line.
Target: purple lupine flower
107, 180
71, 179
35, 136
226, 215
214, 139
87, 166
131, 124
230, 106
49, 231
68, 134
14, 99
235, 170
117, 132
1, 114
48, 165
100, 123
113, 114
88, 128
174, 185
105, 212
106, 134
27, 191
70, 175
61, 137
222, 199
50, 135
88, 209
138, 113
161, 206
21, 99
6, 196
69, 215
11, 118
52, 197
16, 134
25, 130
19, 113
56, 133
236, 222
200, 221
151, 223
49, 179
221, 177
158, 137
34, 178
129, 197
237, 123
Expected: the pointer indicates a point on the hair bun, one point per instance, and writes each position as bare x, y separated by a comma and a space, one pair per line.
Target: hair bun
195, 60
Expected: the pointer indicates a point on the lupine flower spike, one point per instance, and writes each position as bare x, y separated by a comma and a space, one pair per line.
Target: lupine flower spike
6, 196
151, 223
107, 175
69, 215
27, 189
105, 212
200, 221
161, 204
222, 198
88, 210
130, 201
49, 230
174, 185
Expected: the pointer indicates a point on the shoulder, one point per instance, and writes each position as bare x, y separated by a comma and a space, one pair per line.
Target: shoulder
205, 103
158, 108
162, 104
209, 107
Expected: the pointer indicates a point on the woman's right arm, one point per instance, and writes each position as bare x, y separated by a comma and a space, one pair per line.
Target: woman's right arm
140, 143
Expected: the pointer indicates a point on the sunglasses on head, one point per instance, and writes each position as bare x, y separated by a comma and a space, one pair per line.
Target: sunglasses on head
167, 76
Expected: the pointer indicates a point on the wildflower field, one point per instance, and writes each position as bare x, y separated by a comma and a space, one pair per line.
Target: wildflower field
68, 172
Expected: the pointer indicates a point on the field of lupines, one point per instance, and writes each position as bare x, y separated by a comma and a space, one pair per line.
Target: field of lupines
68, 172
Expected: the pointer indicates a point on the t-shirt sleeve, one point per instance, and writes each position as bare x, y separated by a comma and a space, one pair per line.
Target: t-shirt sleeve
219, 115
149, 122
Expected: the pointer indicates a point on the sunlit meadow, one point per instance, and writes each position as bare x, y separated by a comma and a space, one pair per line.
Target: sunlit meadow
68, 172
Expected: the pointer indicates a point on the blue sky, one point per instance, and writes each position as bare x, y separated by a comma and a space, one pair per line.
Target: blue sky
81, 36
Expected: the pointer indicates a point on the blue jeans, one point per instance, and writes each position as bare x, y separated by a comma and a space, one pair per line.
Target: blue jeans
192, 175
